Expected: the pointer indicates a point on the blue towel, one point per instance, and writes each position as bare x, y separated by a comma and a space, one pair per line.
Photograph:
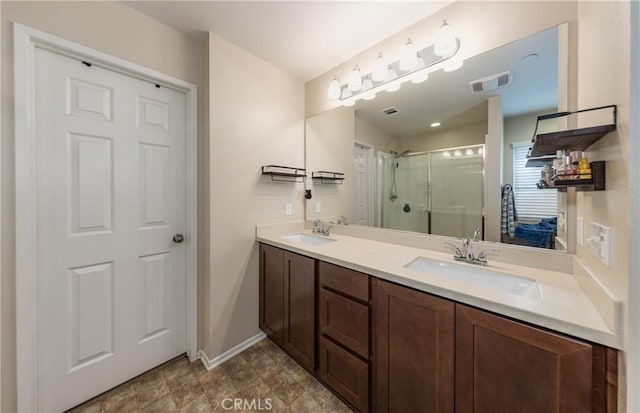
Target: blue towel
539, 234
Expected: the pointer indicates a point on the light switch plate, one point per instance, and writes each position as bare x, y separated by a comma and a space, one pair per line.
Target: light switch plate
318, 206
288, 209
600, 242
580, 231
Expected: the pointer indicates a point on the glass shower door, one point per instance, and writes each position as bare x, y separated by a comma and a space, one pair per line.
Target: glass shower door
456, 194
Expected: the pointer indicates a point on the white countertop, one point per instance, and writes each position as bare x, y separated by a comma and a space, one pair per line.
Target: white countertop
563, 307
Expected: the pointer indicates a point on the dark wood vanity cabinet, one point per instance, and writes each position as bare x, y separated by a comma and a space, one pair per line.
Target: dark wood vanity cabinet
413, 335
287, 302
387, 348
271, 305
343, 318
505, 366
501, 365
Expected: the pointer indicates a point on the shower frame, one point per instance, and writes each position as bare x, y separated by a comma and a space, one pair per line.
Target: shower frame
405, 154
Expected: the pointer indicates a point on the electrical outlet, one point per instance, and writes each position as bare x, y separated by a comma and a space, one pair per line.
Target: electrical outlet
600, 242
580, 231
288, 210
318, 207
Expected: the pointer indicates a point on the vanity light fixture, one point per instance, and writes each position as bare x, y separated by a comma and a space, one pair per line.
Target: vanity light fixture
435, 124
367, 84
334, 88
446, 43
380, 69
408, 56
413, 65
453, 66
420, 77
355, 81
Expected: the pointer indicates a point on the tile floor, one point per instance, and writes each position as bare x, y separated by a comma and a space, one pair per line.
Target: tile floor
263, 373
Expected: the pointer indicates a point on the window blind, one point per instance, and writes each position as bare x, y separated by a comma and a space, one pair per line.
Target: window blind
531, 202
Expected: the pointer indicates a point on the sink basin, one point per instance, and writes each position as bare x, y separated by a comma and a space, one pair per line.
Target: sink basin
480, 276
308, 239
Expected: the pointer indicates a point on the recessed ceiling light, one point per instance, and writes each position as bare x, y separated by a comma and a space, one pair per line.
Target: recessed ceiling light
530, 57
435, 124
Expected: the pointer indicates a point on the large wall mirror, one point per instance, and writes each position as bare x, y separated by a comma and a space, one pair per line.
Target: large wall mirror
416, 159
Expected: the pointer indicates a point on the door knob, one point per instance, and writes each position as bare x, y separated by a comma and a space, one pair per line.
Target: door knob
178, 238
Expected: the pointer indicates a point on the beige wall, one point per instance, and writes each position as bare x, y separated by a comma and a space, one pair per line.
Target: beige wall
376, 137
449, 138
330, 147
498, 23
256, 118
604, 78
138, 39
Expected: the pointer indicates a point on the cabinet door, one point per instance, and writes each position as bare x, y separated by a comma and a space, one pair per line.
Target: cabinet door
503, 366
271, 304
299, 305
413, 350
345, 373
345, 320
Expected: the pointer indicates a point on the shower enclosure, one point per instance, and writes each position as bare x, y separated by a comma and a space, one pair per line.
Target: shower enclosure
438, 192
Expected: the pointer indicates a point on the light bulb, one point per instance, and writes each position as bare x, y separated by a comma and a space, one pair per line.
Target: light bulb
469, 152
393, 87
408, 56
457, 153
355, 81
435, 124
369, 96
453, 66
379, 68
480, 151
446, 43
420, 77
446, 154
334, 88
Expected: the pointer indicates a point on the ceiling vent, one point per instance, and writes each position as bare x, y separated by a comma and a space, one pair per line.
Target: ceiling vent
491, 82
390, 111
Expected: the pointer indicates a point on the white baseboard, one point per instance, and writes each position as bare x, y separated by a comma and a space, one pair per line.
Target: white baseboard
216, 361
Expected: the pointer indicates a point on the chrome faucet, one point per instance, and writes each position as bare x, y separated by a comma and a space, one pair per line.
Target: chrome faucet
320, 228
465, 253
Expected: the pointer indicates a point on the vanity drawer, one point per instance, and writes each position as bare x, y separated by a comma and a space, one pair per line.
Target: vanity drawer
344, 373
346, 321
344, 280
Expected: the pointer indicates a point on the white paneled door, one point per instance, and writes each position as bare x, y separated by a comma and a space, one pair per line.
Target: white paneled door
362, 186
111, 191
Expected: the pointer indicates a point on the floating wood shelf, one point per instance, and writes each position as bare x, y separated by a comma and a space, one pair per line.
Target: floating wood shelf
327, 177
573, 139
596, 183
284, 173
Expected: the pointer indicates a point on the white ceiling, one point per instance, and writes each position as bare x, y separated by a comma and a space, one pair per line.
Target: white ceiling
303, 38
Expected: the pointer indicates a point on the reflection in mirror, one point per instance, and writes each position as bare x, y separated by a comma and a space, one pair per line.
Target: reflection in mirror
418, 155
436, 192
